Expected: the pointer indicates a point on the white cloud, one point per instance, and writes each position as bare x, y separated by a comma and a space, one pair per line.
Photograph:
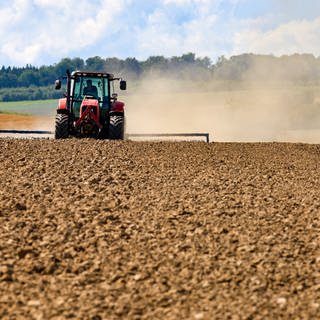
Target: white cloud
184, 2
49, 28
293, 37
177, 2
208, 30
44, 31
13, 14
164, 34
51, 4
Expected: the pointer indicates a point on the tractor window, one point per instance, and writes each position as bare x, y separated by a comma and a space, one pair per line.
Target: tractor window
77, 89
89, 86
96, 87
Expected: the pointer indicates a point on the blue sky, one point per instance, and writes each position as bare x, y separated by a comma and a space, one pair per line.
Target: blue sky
42, 32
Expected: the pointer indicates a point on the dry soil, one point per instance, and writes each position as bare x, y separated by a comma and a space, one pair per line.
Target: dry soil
159, 230
12, 121
25, 122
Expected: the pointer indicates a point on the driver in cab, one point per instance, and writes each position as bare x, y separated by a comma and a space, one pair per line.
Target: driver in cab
90, 90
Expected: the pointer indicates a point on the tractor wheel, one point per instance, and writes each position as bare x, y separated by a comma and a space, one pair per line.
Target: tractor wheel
103, 134
62, 126
116, 127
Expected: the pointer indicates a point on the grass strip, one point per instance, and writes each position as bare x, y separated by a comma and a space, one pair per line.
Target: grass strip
15, 113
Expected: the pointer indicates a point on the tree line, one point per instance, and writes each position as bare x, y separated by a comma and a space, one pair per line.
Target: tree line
33, 83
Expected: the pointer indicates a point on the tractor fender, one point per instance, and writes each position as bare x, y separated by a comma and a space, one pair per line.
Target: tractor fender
62, 104
117, 106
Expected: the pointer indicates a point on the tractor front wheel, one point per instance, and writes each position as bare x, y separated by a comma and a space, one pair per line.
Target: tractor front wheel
116, 127
62, 126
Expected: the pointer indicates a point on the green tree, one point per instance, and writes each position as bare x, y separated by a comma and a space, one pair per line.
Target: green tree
95, 64
27, 78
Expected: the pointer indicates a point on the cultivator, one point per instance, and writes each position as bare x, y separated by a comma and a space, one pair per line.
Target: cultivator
169, 135
127, 136
26, 132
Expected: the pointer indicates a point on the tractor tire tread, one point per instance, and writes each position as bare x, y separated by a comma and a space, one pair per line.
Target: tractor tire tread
116, 127
61, 126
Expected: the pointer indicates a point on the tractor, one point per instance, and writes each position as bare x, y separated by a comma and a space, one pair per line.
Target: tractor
90, 107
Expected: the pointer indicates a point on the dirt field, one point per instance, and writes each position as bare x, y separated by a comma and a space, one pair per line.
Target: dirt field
20, 122
159, 230
12, 121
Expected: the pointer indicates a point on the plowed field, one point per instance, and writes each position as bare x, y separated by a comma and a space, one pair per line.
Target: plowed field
159, 230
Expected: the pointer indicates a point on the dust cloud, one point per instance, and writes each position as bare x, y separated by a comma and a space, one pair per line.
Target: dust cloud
245, 111
44, 123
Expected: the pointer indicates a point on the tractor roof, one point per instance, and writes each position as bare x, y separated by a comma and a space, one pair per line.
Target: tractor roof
92, 74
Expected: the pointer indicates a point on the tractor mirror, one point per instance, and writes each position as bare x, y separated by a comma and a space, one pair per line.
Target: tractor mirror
57, 84
123, 85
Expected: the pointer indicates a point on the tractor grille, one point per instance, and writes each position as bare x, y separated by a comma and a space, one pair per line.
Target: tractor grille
94, 108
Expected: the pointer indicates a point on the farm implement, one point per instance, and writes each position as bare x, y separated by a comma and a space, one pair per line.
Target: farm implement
171, 135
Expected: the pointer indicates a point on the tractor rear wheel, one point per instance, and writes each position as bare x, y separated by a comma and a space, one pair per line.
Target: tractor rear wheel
116, 127
103, 134
62, 126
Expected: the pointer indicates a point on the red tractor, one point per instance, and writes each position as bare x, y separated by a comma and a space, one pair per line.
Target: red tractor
90, 107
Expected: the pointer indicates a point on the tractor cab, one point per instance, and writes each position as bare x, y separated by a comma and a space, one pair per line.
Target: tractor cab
91, 106
90, 87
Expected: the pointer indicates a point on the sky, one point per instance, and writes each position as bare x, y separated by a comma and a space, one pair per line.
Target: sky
42, 32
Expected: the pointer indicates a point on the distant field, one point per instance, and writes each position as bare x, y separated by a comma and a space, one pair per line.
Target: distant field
39, 108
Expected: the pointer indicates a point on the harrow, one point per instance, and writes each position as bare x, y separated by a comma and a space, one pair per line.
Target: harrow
128, 136
26, 131
143, 135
